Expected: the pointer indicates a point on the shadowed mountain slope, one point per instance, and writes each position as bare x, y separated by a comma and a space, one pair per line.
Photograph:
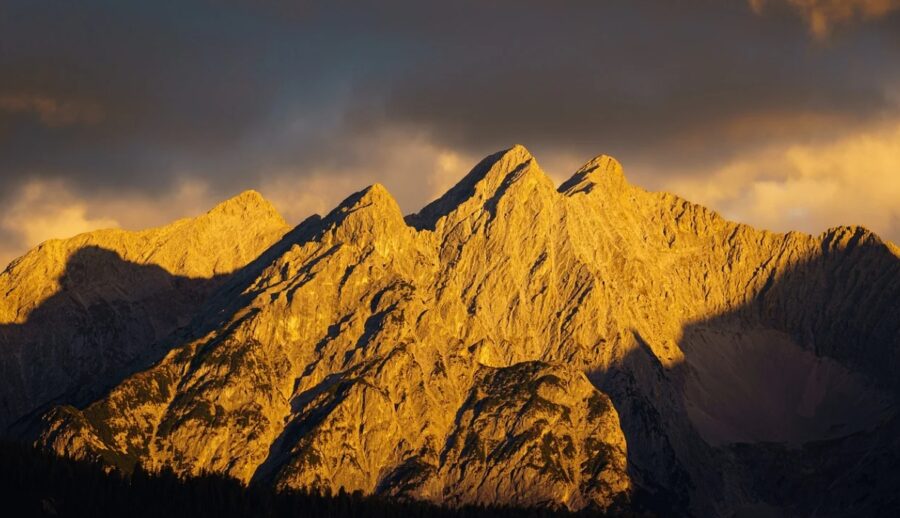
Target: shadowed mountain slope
80, 314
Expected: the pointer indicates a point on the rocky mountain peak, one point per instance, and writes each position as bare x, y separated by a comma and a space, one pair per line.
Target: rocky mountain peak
484, 185
248, 204
373, 203
847, 237
500, 170
602, 172
376, 196
367, 215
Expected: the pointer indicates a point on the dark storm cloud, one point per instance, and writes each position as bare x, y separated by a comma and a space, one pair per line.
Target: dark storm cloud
649, 80
146, 94
179, 88
171, 84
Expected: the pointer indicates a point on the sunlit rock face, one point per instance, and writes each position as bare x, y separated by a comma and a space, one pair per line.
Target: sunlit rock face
587, 346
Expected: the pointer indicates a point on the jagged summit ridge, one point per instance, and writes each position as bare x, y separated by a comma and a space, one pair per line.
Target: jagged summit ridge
516, 343
484, 184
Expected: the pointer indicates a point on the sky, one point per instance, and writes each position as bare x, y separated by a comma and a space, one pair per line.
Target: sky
784, 114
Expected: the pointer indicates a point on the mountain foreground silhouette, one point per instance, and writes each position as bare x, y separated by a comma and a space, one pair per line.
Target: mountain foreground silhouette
591, 346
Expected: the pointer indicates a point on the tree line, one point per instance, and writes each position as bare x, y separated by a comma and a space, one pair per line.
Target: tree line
38, 483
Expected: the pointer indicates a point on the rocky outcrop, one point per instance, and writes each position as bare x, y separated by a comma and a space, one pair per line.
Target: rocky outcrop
516, 343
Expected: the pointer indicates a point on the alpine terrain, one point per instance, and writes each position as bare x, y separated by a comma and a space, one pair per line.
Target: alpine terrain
587, 346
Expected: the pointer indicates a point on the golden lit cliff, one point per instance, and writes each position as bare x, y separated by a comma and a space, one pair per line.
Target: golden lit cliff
582, 346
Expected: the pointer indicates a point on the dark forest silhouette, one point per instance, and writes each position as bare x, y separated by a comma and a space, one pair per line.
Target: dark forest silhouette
35, 483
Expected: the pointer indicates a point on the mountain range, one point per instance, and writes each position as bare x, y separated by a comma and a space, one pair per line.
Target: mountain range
590, 345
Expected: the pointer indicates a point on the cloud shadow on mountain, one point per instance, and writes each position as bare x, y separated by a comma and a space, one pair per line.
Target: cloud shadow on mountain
109, 319
799, 382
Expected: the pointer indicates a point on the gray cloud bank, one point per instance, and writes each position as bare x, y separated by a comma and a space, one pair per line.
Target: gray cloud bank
147, 100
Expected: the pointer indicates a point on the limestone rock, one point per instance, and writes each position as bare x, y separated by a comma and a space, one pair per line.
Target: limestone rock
584, 346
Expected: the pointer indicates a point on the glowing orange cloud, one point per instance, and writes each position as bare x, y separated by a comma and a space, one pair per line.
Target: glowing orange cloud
810, 187
823, 15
